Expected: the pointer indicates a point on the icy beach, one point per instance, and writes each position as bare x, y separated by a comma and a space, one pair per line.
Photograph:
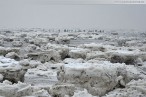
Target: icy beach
68, 63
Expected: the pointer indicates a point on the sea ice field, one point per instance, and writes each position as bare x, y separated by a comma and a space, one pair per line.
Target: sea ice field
72, 63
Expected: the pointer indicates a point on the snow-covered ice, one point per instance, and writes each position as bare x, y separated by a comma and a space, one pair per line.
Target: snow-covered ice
40, 63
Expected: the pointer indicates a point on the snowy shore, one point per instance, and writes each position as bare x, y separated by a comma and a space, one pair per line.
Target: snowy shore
38, 63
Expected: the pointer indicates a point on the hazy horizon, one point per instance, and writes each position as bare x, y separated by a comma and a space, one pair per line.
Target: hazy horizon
39, 14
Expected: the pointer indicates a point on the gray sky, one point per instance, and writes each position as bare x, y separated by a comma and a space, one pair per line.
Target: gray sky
39, 13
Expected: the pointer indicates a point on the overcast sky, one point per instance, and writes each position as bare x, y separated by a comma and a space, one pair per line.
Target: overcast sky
40, 14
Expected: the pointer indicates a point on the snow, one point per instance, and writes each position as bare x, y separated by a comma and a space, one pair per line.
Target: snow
83, 64
7, 61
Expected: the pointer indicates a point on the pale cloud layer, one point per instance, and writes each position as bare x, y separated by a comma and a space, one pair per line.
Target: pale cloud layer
39, 13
